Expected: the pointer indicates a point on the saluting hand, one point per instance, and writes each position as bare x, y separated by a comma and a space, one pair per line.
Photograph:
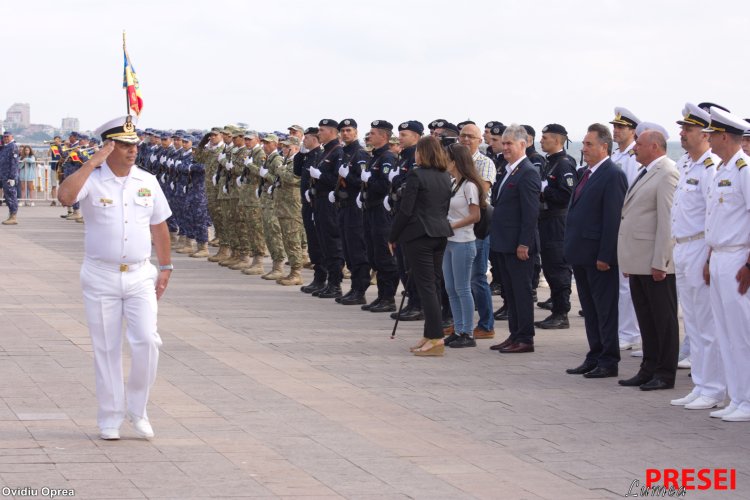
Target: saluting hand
100, 156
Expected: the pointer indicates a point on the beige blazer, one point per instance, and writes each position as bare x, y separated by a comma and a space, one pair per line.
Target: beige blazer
645, 237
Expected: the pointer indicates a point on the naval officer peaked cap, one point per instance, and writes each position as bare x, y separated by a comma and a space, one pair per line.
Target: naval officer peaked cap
120, 129
724, 121
623, 116
694, 115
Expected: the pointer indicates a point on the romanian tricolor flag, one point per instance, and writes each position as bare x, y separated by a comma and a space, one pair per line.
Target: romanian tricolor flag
130, 84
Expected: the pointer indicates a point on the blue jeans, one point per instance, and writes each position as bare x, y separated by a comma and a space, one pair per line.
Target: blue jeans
479, 285
457, 264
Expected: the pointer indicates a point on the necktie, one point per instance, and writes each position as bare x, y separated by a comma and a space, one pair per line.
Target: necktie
643, 172
582, 183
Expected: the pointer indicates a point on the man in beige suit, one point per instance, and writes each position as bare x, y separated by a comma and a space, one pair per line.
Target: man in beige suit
644, 252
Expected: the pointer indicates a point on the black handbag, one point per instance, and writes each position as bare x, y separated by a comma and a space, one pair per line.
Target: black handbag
482, 228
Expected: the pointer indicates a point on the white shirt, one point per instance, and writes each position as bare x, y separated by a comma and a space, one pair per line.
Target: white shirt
689, 204
119, 213
467, 194
728, 204
509, 171
592, 170
625, 159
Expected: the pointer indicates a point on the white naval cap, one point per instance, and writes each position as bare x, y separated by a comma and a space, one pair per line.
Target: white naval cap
694, 115
724, 121
746, 133
624, 116
644, 126
120, 129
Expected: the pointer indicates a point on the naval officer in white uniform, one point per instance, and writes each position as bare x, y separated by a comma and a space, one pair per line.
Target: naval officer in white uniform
124, 209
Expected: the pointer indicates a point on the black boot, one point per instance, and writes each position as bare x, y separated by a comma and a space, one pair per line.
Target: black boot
356, 297
502, 313
385, 305
404, 311
330, 292
339, 299
554, 322
412, 314
547, 304
315, 286
367, 307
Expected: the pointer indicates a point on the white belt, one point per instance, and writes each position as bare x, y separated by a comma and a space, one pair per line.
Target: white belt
694, 237
111, 266
730, 248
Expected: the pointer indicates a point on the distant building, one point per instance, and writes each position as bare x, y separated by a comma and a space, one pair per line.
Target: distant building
18, 116
70, 125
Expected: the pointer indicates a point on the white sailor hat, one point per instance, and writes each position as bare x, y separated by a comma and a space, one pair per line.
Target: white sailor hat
693, 115
746, 133
644, 126
724, 121
120, 129
624, 116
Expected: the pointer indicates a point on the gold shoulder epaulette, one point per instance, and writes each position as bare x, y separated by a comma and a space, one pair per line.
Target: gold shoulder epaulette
741, 163
708, 162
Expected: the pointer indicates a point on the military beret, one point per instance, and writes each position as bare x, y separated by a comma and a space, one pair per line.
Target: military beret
328, 122
271, 138
348, 122
291, 141
448, 126
412, 125
498, 129
311, 131
529, 130
462, 124
554, 128
493, 124
434, 123
382, 124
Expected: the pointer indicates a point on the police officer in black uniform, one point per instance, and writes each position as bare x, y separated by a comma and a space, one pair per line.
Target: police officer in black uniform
495, 154
377, 219
409, 134
308, 156
558, 181
540, 163
351, 219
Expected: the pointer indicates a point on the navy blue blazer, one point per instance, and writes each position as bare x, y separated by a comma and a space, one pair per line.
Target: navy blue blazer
594, 219
514, 219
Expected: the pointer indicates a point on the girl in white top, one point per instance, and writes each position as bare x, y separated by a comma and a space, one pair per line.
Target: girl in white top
468, 197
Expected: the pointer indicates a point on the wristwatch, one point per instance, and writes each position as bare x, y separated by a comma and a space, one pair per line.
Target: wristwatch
168, 267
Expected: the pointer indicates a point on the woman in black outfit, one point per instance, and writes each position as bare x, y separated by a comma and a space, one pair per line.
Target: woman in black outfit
421, 226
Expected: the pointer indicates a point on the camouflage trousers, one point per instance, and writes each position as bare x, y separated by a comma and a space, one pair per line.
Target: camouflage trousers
214, 210
302, 237
228, 209
272, 230
290, 235
250, 230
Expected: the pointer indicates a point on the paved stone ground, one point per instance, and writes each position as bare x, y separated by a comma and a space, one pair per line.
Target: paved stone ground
264, 392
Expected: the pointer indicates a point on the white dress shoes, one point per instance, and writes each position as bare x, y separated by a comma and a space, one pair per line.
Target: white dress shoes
687, 399
637, 354
684, 363
737, 416
141, 426
723, 412
109, 434
702, 403
626, 346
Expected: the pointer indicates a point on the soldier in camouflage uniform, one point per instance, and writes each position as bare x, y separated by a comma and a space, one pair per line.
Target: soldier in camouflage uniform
240, 236
207, 153
288, 209
224, 194
234, 167
271, 227
250, 217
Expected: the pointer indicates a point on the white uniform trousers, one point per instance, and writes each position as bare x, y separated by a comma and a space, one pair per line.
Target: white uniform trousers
109, 296
732, 318
707, 370
627, 328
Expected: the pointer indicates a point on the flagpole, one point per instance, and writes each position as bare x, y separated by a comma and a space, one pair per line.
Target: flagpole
125, 53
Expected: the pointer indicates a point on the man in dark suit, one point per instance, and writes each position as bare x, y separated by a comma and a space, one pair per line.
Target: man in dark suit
590, 246
513, 235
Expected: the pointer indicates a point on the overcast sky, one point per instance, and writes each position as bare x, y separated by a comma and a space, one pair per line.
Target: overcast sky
274, 63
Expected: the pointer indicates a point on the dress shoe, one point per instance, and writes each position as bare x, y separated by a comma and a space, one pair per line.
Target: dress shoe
724, 411
547, 304
687, 399
109, 434
330, 292
637, 354
141, 426
580, 312
580, 370
385, 305
481, 333
502, 313
338, 299
356, 298
411, 315
638, 380
737, 416
534, 297
502, 345
464, 340
626, 346
554, 322
600, 372
433, 347
450, 339
406, 309
657, 384
702, 403
366, 307
496, 288
684, 363
314, 286
517, 347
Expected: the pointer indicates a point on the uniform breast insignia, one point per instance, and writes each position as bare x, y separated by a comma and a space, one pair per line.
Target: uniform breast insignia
144, 192
692, 182
741, 163
105, 201
631, 152
708, 162
725, 183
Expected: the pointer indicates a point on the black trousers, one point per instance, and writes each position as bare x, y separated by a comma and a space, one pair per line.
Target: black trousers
377, 229
425, 256
599, 292
313, 245
351, 222
329, 237
655, 304
517, 275
411, 288
556, 271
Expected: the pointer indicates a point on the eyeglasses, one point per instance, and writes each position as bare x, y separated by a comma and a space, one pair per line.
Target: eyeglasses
468, 136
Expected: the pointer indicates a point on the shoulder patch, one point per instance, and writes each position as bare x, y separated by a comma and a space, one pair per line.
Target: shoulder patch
709, 162
569, 181
631, 152
741, 163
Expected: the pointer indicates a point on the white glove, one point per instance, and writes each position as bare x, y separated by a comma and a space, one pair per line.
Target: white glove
171, 186
270, 189
163, 178
224, 188
393, 174
11, 182
178, 163
170, 162
386, 204
215, 178
152, 158
359, 200
248, 160
162, 159
239, 181
332, 197
184, 189
229, 165
365, 176
222, 156
344, 170
263, 171
189, 168
544, 184
307, 196
257, 192
314, 173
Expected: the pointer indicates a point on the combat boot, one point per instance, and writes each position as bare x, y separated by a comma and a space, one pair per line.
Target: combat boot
189, 246
214, 242
201, 252
233, 258
276, 272
256, 269
294, 278
74, 215
222, 254
173, 238
181, 240
244, 263
11, 220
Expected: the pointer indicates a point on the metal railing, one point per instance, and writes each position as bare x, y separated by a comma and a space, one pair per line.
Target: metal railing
42, 184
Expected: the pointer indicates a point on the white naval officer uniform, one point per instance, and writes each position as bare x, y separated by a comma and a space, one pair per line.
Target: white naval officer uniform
728, 236
690, 255
118, 281
627, 329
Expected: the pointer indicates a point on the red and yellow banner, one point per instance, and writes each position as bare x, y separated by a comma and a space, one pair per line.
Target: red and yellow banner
130, 84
